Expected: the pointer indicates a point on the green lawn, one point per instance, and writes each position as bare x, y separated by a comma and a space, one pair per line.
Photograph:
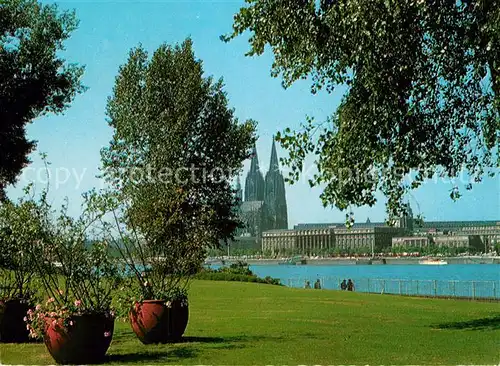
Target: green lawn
237, 323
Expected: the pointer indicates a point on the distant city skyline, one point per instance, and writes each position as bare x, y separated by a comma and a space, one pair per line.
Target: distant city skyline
102, 43
420, 205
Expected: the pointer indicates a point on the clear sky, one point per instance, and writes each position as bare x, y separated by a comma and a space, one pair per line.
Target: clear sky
107, 31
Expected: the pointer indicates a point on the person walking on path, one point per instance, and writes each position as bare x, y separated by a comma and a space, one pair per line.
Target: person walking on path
343, 285
308, 285
350, 285
317, 284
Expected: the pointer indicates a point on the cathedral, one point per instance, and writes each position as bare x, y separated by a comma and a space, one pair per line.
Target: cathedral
264, 205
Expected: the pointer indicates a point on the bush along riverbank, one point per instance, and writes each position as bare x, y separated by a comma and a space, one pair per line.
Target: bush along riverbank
238, 271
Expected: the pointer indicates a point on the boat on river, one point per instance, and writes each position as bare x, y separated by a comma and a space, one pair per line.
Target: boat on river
298, 260
432, 262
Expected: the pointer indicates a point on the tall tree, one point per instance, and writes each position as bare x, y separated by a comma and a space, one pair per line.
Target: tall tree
423, 90
175, 148
34, 79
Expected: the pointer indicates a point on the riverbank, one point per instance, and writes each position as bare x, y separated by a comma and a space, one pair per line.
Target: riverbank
455, 280
234, 323
365, 261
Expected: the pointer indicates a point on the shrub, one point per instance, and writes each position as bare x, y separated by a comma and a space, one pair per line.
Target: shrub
224, 275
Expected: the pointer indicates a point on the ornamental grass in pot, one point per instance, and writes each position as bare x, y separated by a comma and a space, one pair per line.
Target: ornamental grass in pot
155, 274
160, 321
76, 321
20, 226
153, 292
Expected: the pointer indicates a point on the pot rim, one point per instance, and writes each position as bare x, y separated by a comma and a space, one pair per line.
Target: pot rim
75, 315
154, 301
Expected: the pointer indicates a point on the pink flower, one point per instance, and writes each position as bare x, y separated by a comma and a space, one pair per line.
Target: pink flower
27, 327
107, 334
54, 322
50, 300
25, 319
71, 322
38, 307
78, 302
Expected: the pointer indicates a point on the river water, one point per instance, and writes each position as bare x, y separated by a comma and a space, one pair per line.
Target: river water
460, 272
454, 280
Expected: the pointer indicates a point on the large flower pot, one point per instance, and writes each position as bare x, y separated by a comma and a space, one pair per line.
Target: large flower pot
84, 339
157, 321
12, 324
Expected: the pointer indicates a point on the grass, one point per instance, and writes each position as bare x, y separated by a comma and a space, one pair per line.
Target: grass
234, 323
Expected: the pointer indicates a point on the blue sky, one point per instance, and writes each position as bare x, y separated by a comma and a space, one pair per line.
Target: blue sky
107, 31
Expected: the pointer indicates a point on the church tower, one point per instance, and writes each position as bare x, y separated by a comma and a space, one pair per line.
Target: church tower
254, 183
406, 221
274, 195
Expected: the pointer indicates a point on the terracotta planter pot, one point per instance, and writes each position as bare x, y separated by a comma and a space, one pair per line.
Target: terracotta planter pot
12, 324
84, 342
154, 322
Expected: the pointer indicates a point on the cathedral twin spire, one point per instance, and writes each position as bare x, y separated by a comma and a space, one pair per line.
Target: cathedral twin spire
274, 194
274, 164
254, 164
270, 191
254, 183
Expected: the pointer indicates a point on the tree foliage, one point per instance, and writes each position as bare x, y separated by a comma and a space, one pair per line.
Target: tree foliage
176, 146
423, 90
34, 79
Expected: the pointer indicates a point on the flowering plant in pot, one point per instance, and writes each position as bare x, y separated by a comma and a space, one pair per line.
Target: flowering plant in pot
76, 321
20, 226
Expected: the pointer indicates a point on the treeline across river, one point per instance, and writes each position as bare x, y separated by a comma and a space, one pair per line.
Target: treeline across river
431, 250
238, 271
